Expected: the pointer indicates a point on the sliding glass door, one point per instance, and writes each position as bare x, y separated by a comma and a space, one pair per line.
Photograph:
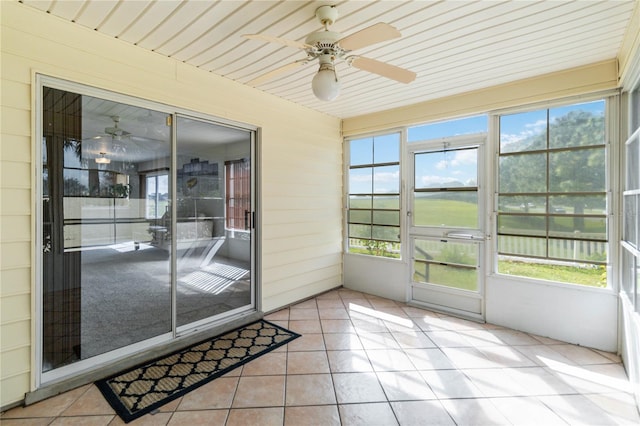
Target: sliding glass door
140, 237
214, 259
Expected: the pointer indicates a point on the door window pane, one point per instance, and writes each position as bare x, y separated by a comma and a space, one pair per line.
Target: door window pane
453, 209
106, 284
446, 263
214, 254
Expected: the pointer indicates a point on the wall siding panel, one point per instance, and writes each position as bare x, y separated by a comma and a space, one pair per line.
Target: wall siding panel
298, 146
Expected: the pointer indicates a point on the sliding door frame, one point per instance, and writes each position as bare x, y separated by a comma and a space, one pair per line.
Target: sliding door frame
74, 373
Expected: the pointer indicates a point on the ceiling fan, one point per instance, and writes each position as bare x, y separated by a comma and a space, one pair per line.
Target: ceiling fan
328, 47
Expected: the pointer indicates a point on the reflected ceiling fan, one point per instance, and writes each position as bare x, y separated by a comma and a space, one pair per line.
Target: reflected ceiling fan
115, 141
328, 47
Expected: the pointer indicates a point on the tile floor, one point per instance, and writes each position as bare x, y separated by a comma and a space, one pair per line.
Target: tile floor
364, 360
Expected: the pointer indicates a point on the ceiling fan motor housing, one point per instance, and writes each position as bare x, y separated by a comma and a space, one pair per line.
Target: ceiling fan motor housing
327, 14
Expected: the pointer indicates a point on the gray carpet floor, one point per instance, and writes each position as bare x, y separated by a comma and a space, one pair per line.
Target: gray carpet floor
126, 293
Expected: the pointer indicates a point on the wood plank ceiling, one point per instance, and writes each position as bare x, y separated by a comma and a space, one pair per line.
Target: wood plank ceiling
453, 46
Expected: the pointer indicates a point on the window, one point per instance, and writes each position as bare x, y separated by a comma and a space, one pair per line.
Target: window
157, 195
374, 196
552, 194
238, 193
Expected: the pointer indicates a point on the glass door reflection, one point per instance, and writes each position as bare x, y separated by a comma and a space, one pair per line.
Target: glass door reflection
213, 247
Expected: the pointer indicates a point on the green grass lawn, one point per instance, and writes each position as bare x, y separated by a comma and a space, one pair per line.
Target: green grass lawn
455, 213
590, 276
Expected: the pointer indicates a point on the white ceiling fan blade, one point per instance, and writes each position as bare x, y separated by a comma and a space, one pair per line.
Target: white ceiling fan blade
382, 68
276, 72
371, 35
283, 41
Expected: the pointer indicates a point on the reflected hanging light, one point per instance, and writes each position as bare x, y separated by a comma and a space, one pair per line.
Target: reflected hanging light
102, 159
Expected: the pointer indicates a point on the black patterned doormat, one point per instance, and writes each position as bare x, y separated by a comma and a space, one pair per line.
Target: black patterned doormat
146, 387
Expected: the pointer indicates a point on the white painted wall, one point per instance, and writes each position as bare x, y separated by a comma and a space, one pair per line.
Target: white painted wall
573, 314
378, 276
301, 166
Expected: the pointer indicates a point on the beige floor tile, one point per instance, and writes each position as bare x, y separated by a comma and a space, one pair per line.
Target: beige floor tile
271, 416
574, 409
495, 382
448, 384
170, 406
505, 356
342, 341
39, 421
197, 418
89, 403
349, 361
82, 421
468, 358
544, 355
587, 379
618, 405
259, 391
405, 386
307, 363
50, 407
332, 294
282, 314
305, 326
319, 415
527, 411
354, 303
376, 414
414, 312
369, 325
337, 326
269, 364
333, 313
539, 381
157, 419
413, 339
389, 360
429, 359
378, 341
307, 304
448, 339
474, 412
415, 413
307, 342
281, 323
304, 314
402, 325
514, 337
310, 389
580, 355
330, 304
357, 387
216, 394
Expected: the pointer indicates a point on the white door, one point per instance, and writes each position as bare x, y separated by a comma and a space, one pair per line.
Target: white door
445, 225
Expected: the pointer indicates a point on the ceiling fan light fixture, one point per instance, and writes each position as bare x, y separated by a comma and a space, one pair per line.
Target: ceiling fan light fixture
325, 83
102, 159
